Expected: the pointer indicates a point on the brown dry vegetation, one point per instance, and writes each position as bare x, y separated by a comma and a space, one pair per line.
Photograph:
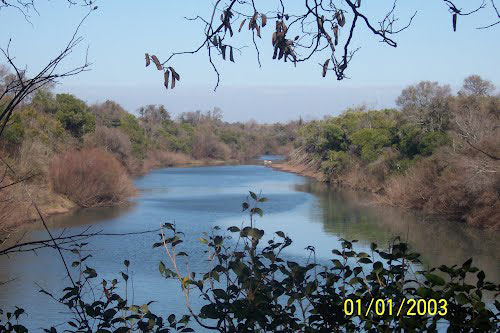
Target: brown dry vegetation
91, 178
461, 181
440, 153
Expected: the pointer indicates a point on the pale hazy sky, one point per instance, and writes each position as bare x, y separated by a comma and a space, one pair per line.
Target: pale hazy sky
121, 31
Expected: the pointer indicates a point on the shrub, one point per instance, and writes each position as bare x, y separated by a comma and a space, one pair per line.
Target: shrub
336, 162
113, 140
73, 115
90, 178
207, 145
14, 132
161, 158
108, 114
130, 125
371, 141
430, 141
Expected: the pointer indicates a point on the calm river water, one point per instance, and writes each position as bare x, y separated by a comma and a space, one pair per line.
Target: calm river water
198, 199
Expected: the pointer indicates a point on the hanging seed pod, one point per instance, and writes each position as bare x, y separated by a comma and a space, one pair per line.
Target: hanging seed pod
231, 56
341, 18
275, 53
359, 3
258, 31
275, 37
157, 63
296, 38
282, 52
253, 21
175, 74
223, 50
264, 20
325, 67
173, 83
148, 61
242, 24
214, 41
455, 22
166, 76
320, 24
285, 28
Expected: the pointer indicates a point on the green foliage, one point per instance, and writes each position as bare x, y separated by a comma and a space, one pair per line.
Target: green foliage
413, 141
337, 161
253, 288
371, 141
73, 115
14, 131
130, 125
44, 101
430, 141
100, 307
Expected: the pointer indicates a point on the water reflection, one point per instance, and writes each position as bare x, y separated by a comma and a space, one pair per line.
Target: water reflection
350, 215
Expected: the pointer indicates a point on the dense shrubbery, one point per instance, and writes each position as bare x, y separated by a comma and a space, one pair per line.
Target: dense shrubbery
251, 287
439, 152
90, 178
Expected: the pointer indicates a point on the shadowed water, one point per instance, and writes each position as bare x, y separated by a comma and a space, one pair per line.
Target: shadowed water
197, 199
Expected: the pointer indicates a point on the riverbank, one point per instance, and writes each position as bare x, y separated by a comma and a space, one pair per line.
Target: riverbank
379, 193
21, 212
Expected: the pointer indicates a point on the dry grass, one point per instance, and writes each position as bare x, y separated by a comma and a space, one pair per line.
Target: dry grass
161, 158
91, 178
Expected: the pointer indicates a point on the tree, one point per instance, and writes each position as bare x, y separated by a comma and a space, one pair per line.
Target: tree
108, 114
19, 85
475, 85
73, 115
426, 104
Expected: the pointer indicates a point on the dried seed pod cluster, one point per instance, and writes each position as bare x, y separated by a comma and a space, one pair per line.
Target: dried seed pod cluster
217, 42
226, 21
253, 23
283, 47
340, 18
166, 71
340, 22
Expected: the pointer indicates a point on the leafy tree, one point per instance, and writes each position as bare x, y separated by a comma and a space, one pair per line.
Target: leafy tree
73, 115
130, 125
371, 141
44, 101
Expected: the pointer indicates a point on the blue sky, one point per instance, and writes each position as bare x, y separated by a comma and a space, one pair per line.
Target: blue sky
121, 31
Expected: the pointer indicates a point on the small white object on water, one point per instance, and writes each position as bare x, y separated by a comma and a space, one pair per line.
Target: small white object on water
266, 162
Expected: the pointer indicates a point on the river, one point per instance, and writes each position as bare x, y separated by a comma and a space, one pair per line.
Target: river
197, 199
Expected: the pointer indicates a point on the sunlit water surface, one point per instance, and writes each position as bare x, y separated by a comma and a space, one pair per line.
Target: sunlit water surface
197, 199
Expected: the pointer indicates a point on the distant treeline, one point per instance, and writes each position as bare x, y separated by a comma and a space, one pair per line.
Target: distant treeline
438, 152
67, 149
